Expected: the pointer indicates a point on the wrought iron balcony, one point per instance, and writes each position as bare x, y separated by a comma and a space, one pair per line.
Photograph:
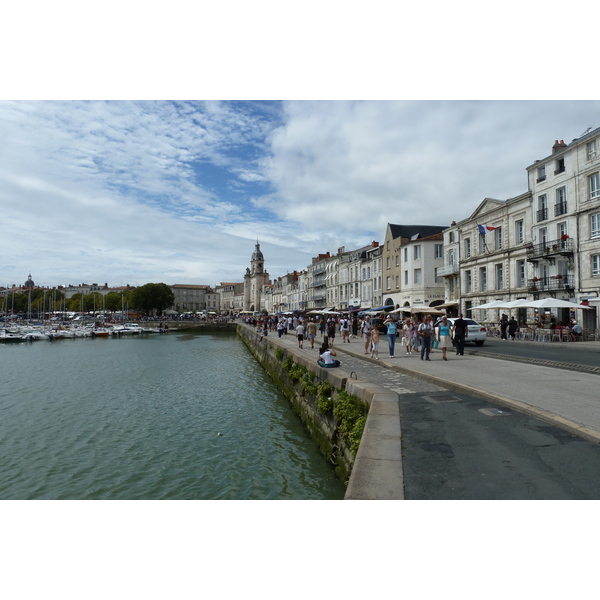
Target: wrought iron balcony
562, 247
554, 283
560, 208
542, 215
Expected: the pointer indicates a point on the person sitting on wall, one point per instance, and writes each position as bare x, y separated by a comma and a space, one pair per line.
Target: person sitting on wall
326, 359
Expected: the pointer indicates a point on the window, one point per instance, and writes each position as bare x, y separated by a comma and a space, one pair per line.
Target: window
542, 213
560, 208
595, 225
596, 265
397, 281
520, 273
499, 278
439, 251
450, 257
405, 254
543, 236
519, 232
560, 166
418, 276
541, 174
592, 149
561, 229
387, 246
388, 262
482, 244
405, 277
417, 253
451, 237
397, 260
388, 282
595, 186
467, 247
438, 279
468, 282
498, 238
482, 279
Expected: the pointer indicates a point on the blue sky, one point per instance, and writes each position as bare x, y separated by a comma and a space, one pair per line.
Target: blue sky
138, 191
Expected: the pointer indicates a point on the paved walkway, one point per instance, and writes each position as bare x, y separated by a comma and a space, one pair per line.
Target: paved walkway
564, 398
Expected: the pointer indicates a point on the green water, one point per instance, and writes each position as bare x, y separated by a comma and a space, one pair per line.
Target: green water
175, 416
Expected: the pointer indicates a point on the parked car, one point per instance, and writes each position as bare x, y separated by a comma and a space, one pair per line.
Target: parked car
477, 332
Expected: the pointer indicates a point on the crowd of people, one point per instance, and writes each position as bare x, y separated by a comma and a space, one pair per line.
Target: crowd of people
412, 333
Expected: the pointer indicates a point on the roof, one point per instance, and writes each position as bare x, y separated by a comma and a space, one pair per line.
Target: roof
410, 231
183, 285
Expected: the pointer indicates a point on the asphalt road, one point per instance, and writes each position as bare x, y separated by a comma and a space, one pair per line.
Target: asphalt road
579, 353
459, 446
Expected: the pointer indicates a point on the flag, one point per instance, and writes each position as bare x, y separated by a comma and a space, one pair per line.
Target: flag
483, 229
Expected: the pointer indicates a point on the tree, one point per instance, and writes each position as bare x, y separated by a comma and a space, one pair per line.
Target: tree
152, 296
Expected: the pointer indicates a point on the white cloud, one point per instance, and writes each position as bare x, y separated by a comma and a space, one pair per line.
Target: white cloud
180, 191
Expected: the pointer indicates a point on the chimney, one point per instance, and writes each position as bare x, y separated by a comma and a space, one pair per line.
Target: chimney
374, 244
558, 146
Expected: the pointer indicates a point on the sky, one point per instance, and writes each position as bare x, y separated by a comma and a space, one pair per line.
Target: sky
137, 191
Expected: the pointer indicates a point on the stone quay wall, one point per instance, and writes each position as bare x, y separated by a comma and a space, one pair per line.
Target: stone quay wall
370, 464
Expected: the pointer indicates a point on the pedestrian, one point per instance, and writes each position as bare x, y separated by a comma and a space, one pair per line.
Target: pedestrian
444, 339
576, 332
345, 329
300, 334
355, 327
365, 331
407, 336
391, 334
503, 327
425, 332
512, 327
375, 343
280, 327
312, 333
331, 332
416, 337
460, 330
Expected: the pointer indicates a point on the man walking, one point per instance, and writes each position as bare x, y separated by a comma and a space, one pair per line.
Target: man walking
365, 331
425, 333
461, 332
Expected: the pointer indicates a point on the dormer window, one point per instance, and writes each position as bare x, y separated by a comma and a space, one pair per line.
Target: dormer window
560, 166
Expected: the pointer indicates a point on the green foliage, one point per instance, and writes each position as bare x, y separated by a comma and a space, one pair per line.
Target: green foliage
279, 354
297, 372
307, 383
355, 434
152, 296
351, 414
324, 398
287, 365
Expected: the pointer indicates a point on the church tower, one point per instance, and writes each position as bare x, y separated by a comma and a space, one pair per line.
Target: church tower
254, 280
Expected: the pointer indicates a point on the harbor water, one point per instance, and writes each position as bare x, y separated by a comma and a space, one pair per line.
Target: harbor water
178, 416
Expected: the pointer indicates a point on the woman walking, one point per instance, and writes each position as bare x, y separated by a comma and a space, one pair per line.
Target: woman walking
444, 340
391, 334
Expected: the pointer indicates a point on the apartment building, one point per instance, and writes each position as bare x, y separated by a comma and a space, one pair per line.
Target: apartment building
543, 243
191, 298
407, 272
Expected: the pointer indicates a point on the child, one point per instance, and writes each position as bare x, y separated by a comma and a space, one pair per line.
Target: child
375, 343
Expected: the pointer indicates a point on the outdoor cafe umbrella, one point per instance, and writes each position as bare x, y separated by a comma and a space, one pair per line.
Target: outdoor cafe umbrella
428, 310
555, 303
493, 304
